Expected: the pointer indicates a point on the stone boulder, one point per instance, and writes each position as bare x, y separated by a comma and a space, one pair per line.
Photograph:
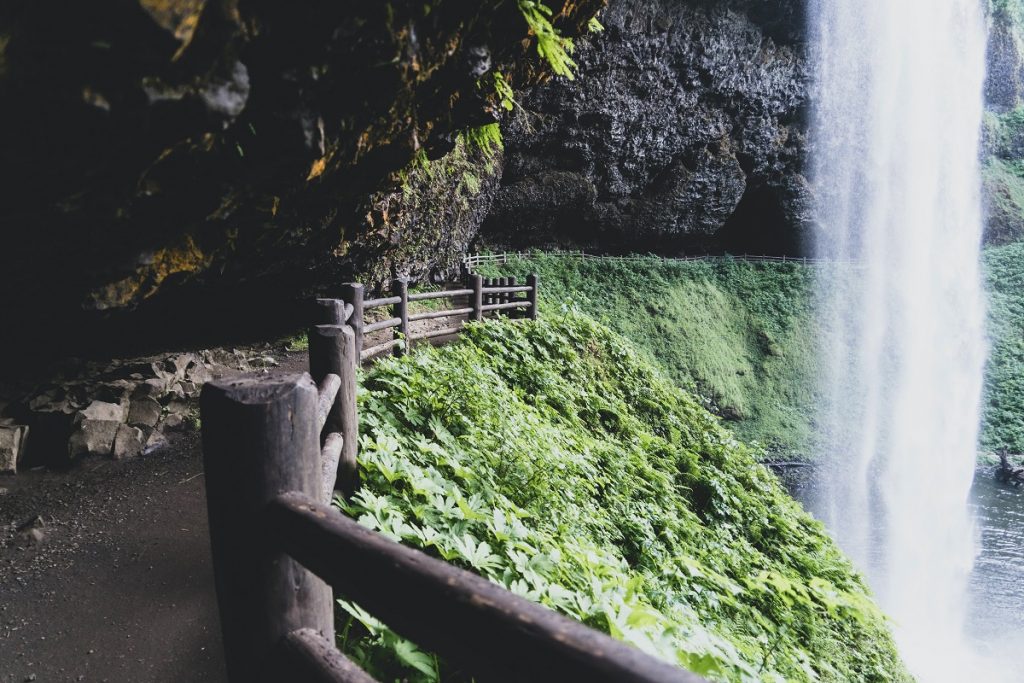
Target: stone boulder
12, 444
93, 437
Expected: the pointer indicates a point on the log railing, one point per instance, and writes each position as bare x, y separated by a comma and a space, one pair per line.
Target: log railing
477, 298
275, 449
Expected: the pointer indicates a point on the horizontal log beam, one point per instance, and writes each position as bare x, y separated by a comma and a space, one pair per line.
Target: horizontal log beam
327, 391
377, 303
378, 349
503, 307
466, 619
382, 325
305, 655
433, 315
330, 456
433, 334
444, 294
506, 290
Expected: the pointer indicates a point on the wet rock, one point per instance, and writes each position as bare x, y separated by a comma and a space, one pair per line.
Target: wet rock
93, 437
12, 445
103, 411
144, 411
685, 131
128, 442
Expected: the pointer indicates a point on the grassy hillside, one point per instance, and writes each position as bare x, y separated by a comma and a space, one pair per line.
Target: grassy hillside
552, 459
1003, 425
740, 334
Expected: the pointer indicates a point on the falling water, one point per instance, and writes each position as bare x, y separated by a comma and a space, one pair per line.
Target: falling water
896, 143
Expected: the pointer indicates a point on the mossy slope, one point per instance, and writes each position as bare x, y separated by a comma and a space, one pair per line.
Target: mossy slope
740, 334
552, 459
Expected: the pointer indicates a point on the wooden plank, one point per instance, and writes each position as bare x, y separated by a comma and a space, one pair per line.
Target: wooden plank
385, 301
433, 315
327, 390
260, 440
330, 457
433, 334
304, 655
506, 289
505, 307
446, 294
378, 349
472, 622
382, 325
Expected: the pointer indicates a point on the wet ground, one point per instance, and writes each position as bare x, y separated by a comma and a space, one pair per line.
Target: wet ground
109, 578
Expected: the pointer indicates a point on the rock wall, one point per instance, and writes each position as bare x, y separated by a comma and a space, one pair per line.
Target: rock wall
684, 131
181, 172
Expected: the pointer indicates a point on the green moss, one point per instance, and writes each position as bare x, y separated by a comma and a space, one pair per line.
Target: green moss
552, 459
740, 334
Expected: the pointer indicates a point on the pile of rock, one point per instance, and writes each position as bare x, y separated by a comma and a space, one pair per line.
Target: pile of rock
121, 409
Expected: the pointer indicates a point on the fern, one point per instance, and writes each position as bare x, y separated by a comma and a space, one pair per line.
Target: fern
485, 138
551, 45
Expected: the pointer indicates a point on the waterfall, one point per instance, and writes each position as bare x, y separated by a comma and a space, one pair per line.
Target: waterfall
897, 120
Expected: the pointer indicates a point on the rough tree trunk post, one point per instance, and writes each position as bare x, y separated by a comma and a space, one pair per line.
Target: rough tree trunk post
476, 283
353, 295
400, 288
259, 441
532, 282
332, 351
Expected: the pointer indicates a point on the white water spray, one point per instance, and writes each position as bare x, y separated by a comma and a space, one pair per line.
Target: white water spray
896, 144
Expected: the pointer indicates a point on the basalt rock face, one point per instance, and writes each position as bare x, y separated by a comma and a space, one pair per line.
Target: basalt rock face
684, 131
184, 168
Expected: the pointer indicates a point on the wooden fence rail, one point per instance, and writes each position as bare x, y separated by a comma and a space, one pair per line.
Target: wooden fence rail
276, 448
474, 261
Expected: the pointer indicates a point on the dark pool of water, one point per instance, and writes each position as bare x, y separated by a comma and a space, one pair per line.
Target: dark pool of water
996, 600
995, 615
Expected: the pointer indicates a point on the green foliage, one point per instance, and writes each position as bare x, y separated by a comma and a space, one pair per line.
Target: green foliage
740, 334
551, 459
486, 138
594, 26
1003, 425
551, 45
299, 342
506, 98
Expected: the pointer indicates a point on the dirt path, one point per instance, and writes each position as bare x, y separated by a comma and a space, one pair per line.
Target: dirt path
120, 586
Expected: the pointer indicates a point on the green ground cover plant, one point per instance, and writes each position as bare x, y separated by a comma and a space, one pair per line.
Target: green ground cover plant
552, 458
742, 335
1003, 424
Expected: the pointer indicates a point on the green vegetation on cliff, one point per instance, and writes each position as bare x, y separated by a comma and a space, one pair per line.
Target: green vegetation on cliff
740, 334
552, 459
1003, 425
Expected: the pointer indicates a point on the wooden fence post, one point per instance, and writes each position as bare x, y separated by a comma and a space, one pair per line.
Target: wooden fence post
532, 281
353, 295
259, 441
503, 298
332, 351
400, 288
476, 283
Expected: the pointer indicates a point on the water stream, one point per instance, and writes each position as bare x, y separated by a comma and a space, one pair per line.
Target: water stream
897, 120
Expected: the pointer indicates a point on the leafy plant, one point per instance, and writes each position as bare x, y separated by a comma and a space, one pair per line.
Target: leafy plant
486, 138
552, 46
551, 459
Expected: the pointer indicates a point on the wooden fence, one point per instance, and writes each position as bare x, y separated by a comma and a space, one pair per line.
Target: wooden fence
276, 447
474, 261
